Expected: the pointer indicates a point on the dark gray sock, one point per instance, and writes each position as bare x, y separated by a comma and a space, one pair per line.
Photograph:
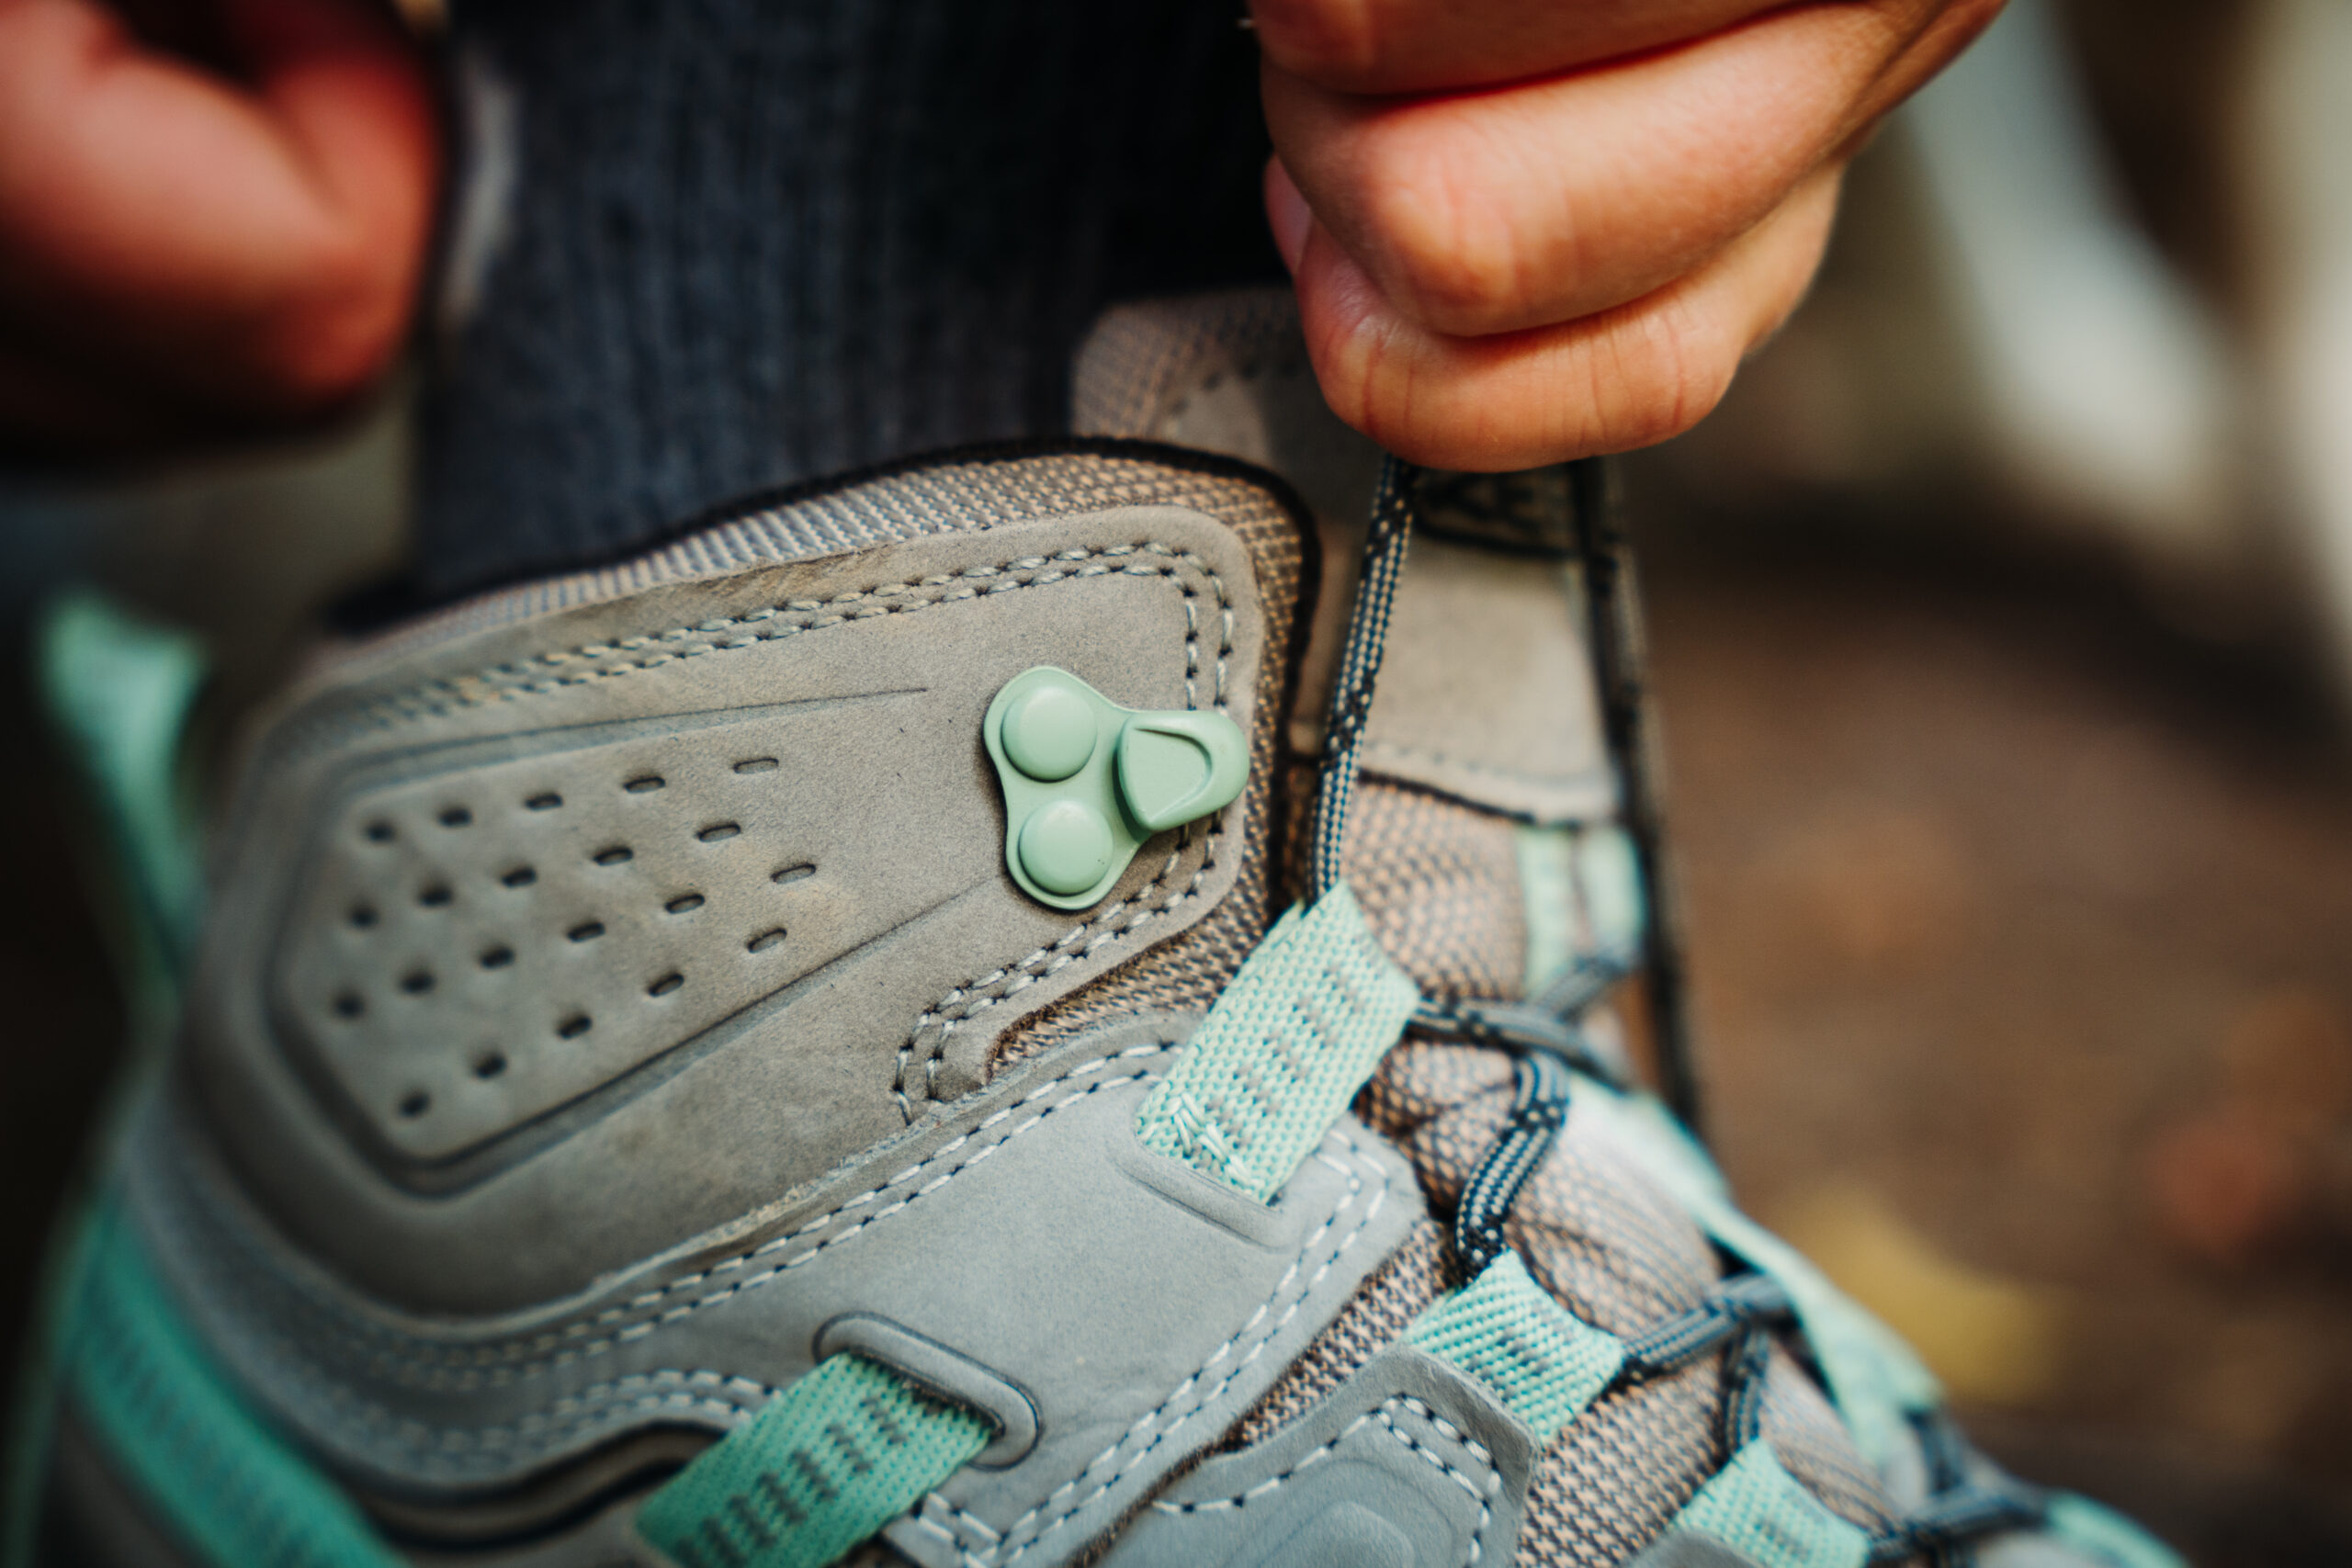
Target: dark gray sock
747, 243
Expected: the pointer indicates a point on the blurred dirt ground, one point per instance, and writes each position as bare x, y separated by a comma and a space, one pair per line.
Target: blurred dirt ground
2022, 938
2021, 935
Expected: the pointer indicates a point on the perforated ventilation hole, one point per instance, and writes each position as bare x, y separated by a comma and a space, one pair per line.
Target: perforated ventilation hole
791, 874
756, 766
490, 1066
416, 982
415, 1103
718, 830
497, 957
363, 915
349, 1004
618, 854
547, 802
521, 876
587, 930
645, 784
379, 832
457, 817
684, 904
664, 986
764, 940
578, 1025
435, 896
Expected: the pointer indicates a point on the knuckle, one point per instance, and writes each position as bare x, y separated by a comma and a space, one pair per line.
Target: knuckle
1448, 249
1663, 372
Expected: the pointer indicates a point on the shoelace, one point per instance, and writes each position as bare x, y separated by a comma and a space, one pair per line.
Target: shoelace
1549, 1048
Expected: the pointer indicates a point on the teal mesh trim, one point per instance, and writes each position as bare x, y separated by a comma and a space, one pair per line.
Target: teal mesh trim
1581, 889
824, 1465
1505, 1330
2106, 1535
1284, 1050
1875, 1378
230, 1490
119, 690
1757, 1509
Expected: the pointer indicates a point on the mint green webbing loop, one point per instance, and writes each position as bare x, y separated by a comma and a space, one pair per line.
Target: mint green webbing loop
230, 1489
823, 1466
1505, 1330
1284, 1050
1757, 1509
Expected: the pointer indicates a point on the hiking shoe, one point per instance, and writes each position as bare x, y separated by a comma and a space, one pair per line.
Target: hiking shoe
1043, 1005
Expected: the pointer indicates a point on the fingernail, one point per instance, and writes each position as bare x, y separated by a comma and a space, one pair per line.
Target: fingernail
1287, 214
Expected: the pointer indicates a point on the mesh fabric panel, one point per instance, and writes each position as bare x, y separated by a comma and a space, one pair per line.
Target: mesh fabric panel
1613, 1477
823, 1466
1804, 1431
1504, 1330
1621, 1250
1614, 1245
1438, 882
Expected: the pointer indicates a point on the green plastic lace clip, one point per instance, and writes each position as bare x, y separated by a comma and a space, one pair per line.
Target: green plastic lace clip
1087, 782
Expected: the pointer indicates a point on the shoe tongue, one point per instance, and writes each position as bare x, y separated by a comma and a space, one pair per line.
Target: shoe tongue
1482, 842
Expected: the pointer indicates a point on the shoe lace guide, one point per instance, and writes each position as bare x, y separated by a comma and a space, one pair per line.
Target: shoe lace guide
1743, 1317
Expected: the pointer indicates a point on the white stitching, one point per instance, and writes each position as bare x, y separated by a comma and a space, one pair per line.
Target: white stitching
475, 689
413, 1360
1258, 1346
1480, 1491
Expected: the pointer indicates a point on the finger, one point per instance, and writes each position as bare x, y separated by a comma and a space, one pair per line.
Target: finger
1510, 209
1626, 378
1413, 46
258, 244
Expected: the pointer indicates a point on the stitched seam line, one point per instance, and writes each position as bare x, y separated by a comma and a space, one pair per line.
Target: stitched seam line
1036, 1533
1477, 1488
414, 1361
480, 687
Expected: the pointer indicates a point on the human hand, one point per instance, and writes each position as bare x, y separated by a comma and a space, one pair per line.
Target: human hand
193, 248
1526, 230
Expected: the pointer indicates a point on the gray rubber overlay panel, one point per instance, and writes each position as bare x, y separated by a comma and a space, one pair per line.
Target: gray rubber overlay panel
1407, 1464
1138, 1306
469, 959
